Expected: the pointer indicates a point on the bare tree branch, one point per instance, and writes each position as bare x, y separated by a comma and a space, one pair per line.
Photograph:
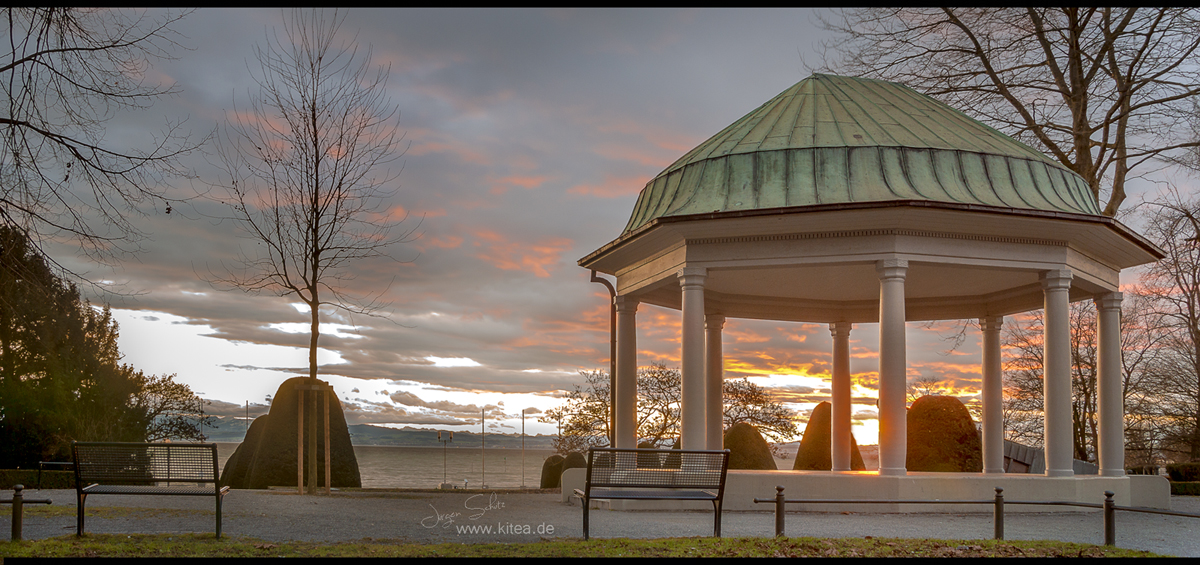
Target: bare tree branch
308, 173
1102, 90
67, 72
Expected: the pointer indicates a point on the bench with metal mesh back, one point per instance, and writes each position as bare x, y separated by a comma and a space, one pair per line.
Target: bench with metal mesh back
176, 469
655, 474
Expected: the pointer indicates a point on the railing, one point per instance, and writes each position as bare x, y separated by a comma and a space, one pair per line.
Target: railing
1109, 507
18, 502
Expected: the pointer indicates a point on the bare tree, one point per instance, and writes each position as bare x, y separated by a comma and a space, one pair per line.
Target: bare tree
1102, 90
308, 172
1173, 286
583, 418
1142, 345
68, 71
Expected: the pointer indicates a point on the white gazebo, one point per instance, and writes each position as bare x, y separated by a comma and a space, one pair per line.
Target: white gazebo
844, 201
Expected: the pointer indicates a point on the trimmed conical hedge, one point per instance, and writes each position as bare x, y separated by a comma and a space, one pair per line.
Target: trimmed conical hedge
942, 437
814, 453
748, 449
268, 457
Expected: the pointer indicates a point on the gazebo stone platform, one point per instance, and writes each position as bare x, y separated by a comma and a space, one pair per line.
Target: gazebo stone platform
742, 487
846, 201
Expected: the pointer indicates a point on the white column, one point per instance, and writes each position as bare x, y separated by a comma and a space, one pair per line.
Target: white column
893, 366
1111, 404
839, 441
993, 396
714, 375
1056, 376
692, 432
626, 381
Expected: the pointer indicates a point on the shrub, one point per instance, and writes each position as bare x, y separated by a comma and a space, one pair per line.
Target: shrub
1184, 472
814, 453
28, 479
1185, 489
748, 449
942, 437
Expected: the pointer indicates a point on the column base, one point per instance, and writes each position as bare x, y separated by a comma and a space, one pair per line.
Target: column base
1112, 473
1060, 472
994, 471
893, 472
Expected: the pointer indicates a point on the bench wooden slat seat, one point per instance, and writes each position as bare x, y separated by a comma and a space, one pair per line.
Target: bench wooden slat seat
655, 474
171, 469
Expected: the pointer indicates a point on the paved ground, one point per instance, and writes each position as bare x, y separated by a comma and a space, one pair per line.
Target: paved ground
507, 517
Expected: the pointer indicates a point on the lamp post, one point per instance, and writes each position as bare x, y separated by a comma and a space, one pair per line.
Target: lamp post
201, 415
483, 447
448, 439
523, 447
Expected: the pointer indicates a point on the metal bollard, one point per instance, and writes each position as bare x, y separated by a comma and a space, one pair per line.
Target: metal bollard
998, 515
1110, 519
18, 509
779, 511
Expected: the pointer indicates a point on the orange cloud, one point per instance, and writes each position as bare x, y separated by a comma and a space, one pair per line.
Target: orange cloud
524, 182
449, 242
538, 258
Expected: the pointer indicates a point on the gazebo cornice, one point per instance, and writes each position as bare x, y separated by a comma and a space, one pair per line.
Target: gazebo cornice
596, 259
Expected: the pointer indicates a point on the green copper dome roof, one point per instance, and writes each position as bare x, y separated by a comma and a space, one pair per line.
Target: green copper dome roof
831, 139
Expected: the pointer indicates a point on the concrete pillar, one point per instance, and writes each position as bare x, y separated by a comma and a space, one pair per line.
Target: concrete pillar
626, 405
692, 425
839, 441
893, 378
1056, 375
1111, 402
993, 396
714, 376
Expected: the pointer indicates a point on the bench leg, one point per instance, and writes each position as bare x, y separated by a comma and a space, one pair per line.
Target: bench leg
586, 506
717, 520
79, 501
218, 514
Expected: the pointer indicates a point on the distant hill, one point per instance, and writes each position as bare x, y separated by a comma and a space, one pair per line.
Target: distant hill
234, 429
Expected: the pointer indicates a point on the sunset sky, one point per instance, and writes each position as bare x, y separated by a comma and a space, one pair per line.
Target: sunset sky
531, 132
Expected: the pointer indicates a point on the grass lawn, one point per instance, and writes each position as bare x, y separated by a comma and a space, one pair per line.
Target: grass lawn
205, 545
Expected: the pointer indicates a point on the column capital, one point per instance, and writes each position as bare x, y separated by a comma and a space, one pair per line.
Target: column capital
991, 323
714, 321
692, 276
1057, 279
840, 328
891, 268
626, 303
1110, 301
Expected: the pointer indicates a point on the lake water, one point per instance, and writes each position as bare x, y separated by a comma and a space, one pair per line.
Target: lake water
382, 466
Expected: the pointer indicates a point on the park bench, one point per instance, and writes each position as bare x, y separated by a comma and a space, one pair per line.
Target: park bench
171, 469
655, 474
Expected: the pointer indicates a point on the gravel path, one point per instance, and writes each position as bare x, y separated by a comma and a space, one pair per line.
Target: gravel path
515, 517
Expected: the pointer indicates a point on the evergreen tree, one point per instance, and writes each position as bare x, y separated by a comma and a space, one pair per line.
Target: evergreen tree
61, 379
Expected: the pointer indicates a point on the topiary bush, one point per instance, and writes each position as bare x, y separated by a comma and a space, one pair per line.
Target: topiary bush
942, 437
552, 471
1185, 489
1184, 472
273, 461
574, 460
814, 453
748, 449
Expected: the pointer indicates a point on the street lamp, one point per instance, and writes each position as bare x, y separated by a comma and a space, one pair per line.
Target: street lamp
448, 439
